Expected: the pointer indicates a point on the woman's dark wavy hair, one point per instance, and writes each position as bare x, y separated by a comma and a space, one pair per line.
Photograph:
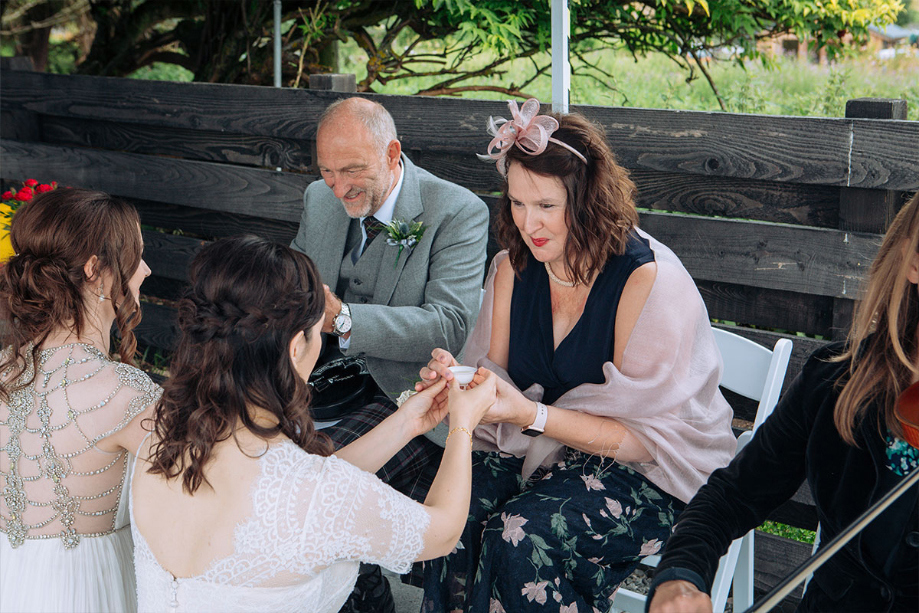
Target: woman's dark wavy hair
248, 298
44, 287
600, 206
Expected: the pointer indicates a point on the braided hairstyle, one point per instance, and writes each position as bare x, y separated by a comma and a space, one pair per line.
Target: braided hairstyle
248, 299
44, 287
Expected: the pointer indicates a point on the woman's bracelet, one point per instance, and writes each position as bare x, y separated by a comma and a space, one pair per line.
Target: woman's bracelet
454, 430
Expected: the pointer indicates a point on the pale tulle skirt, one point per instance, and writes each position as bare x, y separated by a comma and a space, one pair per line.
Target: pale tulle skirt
95, 576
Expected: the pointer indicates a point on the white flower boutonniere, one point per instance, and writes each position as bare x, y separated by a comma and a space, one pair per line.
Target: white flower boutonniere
404, 234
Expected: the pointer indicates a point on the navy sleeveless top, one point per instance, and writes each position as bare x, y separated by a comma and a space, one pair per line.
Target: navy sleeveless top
580, 356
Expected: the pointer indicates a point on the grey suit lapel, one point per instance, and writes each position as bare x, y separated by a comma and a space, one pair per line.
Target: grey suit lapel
408, 208
331, 237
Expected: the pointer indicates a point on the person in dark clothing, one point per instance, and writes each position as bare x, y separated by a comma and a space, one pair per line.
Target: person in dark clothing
836, 426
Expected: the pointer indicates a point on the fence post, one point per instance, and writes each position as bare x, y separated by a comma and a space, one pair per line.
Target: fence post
19, 124
334, 82
865, 210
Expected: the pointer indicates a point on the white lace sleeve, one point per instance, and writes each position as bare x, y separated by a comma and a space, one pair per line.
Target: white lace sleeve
347, 514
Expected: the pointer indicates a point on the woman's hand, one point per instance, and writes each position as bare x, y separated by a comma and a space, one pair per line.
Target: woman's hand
438, 368
680, 597
467, 407
425, 409
510, 407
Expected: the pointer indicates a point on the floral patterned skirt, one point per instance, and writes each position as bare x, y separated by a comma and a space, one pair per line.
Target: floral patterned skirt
564, 540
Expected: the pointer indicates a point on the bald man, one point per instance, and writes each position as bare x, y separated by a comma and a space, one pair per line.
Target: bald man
388, 308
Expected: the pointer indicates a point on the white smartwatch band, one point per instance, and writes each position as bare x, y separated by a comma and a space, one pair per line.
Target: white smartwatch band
539, 424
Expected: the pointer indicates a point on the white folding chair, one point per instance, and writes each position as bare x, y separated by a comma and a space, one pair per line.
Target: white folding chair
757, 373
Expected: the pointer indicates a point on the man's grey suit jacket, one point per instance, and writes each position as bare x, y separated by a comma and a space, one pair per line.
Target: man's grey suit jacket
429, 297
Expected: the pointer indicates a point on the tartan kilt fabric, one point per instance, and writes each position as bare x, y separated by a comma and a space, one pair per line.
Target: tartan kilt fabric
412, 469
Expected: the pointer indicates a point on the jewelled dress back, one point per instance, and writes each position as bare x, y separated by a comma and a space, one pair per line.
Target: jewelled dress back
57, 484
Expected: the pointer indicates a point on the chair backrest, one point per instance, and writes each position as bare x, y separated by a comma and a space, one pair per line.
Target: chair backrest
752, 370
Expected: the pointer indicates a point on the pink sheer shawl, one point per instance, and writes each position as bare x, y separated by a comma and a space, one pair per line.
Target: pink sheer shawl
666, 394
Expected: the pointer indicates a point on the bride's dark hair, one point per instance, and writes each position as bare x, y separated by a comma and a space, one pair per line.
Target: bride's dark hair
248, 298
44, 286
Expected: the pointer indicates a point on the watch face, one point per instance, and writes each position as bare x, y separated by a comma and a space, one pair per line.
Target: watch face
342, 324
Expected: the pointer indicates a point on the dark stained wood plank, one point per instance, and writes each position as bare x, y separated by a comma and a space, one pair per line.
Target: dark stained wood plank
263, 151
160, 288
208, 224
792, 203
753, 306
774, 148
20, 125
168, 255
774, 559
234, 109
806, 260
787, 149
157, 328
795, 203
218, 187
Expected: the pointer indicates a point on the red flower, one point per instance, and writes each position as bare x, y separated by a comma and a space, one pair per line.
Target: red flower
41, 189
25, 194
8, 195
31, 183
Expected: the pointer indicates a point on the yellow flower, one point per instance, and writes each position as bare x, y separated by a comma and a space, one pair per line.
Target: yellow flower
6, 247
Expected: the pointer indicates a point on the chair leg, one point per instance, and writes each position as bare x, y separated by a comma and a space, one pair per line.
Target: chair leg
743, 575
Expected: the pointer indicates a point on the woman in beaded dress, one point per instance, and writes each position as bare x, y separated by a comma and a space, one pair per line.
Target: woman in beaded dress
609, 415
237, 504
69, 413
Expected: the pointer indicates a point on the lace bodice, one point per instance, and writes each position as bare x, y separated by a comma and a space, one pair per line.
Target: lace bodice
313, 519
56, 482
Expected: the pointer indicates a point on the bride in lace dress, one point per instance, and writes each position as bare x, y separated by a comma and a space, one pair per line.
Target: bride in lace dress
237, 503
69, 413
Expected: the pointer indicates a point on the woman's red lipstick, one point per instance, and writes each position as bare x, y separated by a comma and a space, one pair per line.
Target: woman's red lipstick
539, 242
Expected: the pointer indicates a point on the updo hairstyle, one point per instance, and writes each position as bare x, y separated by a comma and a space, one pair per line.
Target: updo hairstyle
248, 299
43, 288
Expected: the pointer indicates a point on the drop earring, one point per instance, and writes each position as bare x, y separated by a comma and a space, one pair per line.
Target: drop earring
101, 293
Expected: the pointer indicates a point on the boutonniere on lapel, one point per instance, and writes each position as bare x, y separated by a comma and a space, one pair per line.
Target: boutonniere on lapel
404, 234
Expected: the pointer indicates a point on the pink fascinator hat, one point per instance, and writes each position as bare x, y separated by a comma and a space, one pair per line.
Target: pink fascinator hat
526, 129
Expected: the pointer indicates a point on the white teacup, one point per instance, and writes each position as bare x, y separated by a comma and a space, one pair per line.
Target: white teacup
463, 375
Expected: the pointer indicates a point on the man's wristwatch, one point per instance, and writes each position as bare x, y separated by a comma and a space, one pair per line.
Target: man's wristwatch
341, 325
539, 425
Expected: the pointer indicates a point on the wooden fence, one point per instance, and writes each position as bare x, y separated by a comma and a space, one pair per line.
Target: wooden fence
776, 218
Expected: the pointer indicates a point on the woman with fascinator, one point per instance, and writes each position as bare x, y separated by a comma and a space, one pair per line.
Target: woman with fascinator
609, 416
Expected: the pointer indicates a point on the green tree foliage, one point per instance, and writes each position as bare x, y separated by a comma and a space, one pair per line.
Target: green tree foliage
457, 41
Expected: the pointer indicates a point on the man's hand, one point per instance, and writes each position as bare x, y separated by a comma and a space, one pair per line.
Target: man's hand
332, 308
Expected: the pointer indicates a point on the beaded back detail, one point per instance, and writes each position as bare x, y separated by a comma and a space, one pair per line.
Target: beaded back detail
56, 482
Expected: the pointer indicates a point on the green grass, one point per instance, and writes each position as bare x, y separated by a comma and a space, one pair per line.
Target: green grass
797, 534
792, 87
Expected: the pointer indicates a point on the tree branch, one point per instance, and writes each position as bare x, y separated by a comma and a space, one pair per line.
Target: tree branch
453, 91
66, 14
